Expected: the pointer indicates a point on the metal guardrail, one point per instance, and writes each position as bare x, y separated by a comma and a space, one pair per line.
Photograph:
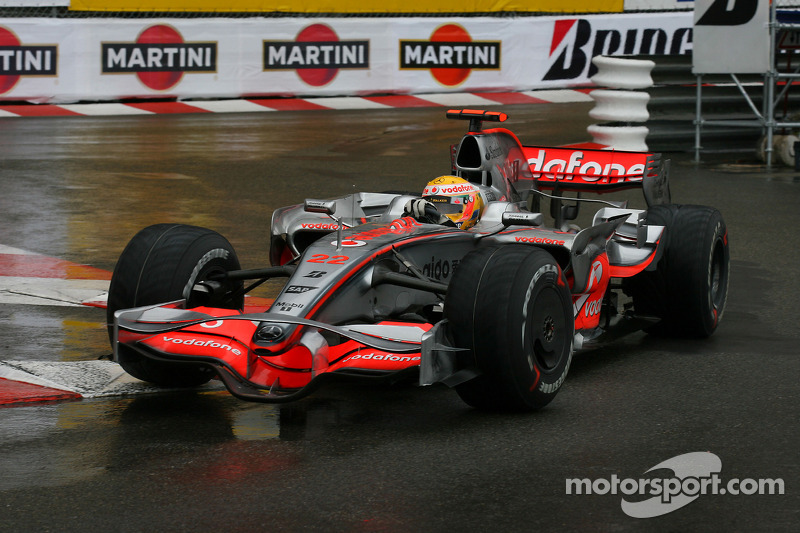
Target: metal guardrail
673, 101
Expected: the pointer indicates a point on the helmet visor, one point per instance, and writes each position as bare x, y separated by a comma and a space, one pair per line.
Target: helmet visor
450, 205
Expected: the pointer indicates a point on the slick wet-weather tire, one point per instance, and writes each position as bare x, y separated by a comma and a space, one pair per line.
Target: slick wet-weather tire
511, 309
162, 263
688, 289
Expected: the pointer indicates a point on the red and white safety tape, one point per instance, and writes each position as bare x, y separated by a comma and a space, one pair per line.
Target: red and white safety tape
251, 105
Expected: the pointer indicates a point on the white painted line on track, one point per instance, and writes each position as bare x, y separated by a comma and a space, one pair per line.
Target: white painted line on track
559, 96
347, 103
51, 291
105, 109
90, 379
456, 99
10, 250
242, 105
11, 371
229, 106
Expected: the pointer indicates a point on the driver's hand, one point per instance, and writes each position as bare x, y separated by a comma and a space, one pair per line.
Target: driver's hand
423, 211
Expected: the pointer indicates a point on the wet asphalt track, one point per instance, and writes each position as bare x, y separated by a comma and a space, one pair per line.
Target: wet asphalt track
368, 458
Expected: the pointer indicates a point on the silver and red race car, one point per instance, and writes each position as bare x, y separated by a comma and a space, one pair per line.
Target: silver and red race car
495, 311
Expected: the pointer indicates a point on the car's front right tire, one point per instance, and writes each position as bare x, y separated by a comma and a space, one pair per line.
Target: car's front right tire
511, 309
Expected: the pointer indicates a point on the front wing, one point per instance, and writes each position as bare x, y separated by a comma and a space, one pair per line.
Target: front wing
228, 343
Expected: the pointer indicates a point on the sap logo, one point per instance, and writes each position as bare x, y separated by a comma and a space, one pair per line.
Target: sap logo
299, 289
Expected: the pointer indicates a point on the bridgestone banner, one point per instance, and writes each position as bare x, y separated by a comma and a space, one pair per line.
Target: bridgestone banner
65, 60
731, 37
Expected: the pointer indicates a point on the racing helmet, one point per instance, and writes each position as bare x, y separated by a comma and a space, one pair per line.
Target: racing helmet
455, 198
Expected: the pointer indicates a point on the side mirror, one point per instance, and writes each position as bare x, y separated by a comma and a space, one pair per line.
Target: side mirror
510, 218
327, 207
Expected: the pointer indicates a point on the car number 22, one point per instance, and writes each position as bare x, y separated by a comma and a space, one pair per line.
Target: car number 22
327, 259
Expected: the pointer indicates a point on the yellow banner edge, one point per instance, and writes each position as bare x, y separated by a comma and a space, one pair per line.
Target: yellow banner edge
361, 7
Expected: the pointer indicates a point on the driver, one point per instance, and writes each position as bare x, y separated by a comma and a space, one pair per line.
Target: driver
447, 200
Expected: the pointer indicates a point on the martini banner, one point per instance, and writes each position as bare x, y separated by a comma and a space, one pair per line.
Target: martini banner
68, 60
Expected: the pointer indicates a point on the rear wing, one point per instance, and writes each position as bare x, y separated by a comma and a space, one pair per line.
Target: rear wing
582, 169
599, 171
495, 157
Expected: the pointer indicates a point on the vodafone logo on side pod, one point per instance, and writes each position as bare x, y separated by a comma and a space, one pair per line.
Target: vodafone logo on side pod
159, 57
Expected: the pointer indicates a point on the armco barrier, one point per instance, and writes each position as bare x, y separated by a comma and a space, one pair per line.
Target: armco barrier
672, 108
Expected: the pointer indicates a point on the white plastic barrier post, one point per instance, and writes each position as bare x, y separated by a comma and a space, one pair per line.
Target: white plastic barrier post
622, 106
628, 138
623, 72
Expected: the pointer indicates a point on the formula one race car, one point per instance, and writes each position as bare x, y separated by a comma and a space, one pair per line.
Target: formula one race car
495, 311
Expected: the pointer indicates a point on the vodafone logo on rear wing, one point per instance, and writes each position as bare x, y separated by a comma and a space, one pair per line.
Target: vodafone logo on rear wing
586, 167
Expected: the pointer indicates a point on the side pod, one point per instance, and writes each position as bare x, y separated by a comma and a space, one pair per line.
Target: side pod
587, 245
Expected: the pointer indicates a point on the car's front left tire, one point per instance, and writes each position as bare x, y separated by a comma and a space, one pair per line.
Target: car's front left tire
163, 263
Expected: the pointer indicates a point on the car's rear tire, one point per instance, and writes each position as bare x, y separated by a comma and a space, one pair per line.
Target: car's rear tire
689, 288
162, 263
510, 307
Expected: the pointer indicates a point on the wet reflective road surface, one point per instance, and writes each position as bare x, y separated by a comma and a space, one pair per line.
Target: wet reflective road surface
368, 458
